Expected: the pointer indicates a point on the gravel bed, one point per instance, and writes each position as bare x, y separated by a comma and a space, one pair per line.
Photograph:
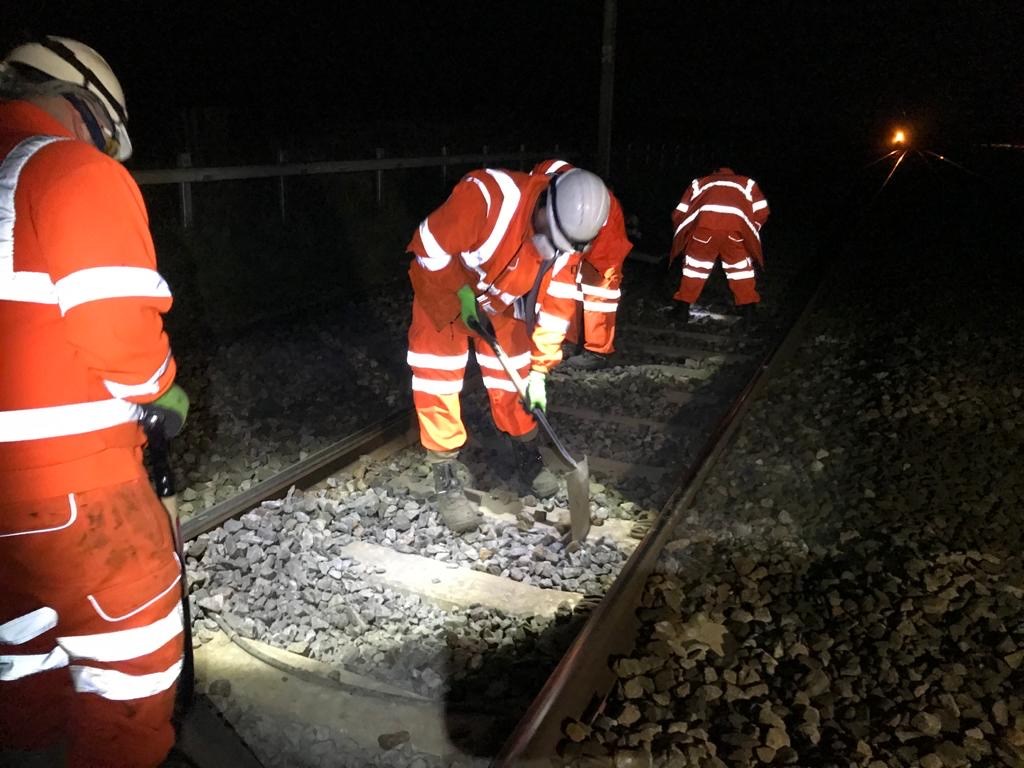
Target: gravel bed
265, 400
590, 390
290, 743
848, 588
276, 575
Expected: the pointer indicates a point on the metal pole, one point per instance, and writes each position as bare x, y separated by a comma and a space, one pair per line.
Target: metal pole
604, 129
281, 158
380, 176
185, 192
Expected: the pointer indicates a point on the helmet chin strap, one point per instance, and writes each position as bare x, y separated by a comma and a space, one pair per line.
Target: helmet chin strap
95, 132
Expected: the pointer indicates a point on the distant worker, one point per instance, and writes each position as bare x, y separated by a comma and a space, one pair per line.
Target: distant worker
90, 613
719, 215
490, 243
597, 285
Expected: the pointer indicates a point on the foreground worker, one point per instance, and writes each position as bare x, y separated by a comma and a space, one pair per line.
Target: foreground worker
597, 285
719, 215
488, 245
90, 612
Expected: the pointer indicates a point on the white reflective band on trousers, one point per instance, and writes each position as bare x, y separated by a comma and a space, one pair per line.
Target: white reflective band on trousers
25, 628
125, 644
503, 384
600, 292
600, 306
117, 686
436, 387
437, 362
15, 667
120, 645
552, 322
491, 361
740, 270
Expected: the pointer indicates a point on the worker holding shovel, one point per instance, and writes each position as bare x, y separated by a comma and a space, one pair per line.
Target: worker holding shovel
488, 245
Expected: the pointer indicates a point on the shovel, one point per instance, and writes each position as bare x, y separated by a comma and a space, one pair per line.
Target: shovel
163, 482
577, 480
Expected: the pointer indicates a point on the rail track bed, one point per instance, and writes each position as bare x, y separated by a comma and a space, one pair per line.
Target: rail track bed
338, 622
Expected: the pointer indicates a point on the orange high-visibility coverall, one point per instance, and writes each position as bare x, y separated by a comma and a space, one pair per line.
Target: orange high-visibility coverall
481, 237
90, 613
719, 215
600, 283
598, 279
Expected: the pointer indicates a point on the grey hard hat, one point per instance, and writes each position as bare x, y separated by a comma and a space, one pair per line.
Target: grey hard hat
577, 208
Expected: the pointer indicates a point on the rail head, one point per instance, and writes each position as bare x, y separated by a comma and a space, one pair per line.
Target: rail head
583, 675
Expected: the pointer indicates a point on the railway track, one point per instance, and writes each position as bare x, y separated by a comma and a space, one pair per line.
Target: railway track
339, 623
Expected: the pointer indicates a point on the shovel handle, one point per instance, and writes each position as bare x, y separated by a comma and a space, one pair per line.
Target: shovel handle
520, 386
163, 482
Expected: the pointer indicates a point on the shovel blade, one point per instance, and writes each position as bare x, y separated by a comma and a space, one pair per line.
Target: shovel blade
577, 483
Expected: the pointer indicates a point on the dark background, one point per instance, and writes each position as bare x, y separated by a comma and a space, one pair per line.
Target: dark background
801, 95
775, 72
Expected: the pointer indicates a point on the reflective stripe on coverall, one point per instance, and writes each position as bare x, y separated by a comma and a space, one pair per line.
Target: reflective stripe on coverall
599, 284
90, 621
702, 248
719, 215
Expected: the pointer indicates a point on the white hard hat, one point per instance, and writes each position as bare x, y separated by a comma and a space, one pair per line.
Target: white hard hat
577, 208
70, 61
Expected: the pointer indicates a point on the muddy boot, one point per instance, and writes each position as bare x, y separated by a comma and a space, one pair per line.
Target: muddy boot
748, 318
681, 312
587, 361
456, 511
540, 480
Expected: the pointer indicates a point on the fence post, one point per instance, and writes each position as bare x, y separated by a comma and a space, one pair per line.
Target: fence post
282, 156
185, 192
380, 177
444, 166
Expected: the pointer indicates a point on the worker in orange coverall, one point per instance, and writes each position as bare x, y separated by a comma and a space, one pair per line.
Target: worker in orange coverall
597, 287
719, 215
488, 246
90, 613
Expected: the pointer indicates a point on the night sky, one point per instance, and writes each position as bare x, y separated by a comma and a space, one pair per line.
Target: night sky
772, 72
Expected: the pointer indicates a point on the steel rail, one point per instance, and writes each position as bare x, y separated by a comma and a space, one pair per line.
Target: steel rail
304, 473
583, 677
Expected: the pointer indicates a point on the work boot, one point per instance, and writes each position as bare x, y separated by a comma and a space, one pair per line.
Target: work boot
587, 361
456, 511
680, 312
748, 316
531, 470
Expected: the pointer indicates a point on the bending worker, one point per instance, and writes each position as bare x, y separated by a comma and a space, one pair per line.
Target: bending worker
719, 215
90, 612
490, 243
597, 284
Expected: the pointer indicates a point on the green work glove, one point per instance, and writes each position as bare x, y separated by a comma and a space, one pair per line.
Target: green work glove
536, 393
172, 406
468, 310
